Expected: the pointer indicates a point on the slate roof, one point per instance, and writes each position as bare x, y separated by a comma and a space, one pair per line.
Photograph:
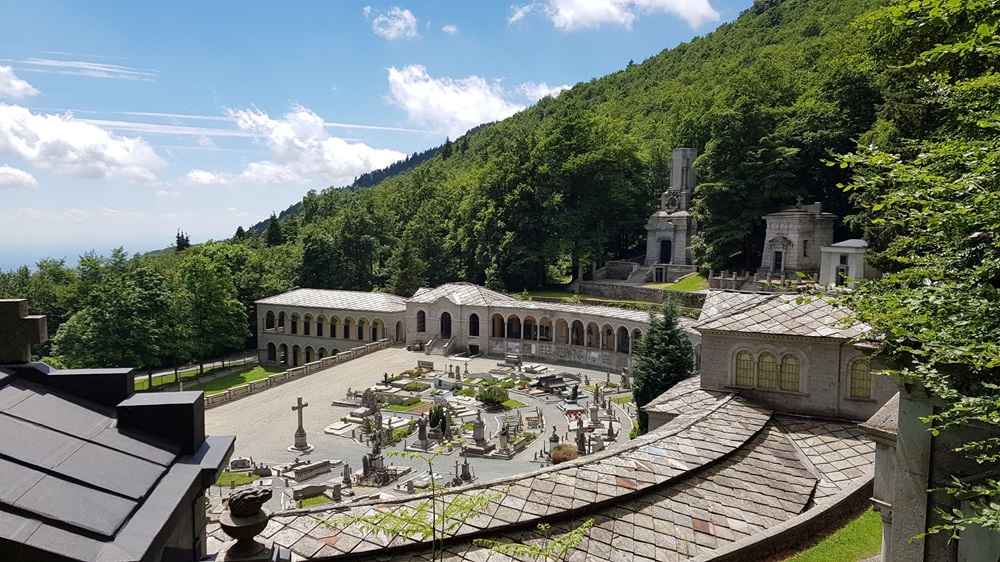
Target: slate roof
775, 313
852, 243
460, 293
342, 300
76, 486
715, 474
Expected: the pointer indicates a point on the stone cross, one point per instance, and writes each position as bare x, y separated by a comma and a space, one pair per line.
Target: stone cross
300, 433
19, 331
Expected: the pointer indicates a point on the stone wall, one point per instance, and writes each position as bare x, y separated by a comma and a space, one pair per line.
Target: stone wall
631, 292
237, 392
619, 269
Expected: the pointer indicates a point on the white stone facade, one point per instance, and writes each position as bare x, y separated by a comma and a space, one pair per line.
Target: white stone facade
671, 227
844, 264
794, 238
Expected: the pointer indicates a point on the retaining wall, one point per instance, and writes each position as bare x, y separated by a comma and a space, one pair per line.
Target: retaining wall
632, 292
237, 392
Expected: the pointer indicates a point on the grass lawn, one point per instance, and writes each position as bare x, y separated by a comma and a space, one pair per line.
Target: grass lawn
568, 295
189, 373
401, 408
240, 478
861, 538
223, 383
622, 399
512, 404
688, 284
315, 500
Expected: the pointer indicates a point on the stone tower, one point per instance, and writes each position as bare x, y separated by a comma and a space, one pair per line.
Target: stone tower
671, 227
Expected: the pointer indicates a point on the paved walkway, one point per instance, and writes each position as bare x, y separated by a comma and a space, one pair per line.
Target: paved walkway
264, 423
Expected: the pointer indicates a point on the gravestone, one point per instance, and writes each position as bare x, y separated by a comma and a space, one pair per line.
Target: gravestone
479, 430
347, 474
300, 434
336, 493
626, 381
581, 438
597, 443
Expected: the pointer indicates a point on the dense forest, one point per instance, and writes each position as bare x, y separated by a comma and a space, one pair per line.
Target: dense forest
520, 203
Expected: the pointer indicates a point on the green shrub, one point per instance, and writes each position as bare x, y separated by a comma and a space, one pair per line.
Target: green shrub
416, 386
493, 396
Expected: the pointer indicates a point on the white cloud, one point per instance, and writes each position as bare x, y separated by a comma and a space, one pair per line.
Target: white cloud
397, 23
518, 13
302, 151
571, 15
92, 69
72, 147
13, 177
452, 105
450, 29
13, 87
206, 142
535, 92
167, 194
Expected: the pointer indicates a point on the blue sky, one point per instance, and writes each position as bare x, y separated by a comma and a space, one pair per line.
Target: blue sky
123, 122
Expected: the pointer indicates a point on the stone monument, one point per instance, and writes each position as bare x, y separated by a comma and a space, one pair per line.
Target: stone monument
301, 445
670, 229
244, 520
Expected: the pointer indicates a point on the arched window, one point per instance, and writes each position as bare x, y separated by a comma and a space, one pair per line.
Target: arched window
861, 379
295, 324
269, 321
421, 321
272, 352
306, 325
473, 324
789, 373
333, 327
767, 371
744, 368
320, 321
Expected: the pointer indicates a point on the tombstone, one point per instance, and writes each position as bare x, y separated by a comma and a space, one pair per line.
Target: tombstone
410, 487
422, 429
574, 394
451, 370
596, 443
597, 394
479, 429
350, 393
347, 474
446, 422
581, 438
611, 428
385, 378
300, 433
336, 493
466, 369
366, 467
368, 400
466, 472
595, 418
586, 380
626, 382
504, 436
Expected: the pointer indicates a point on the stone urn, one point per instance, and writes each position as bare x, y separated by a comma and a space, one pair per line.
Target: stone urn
244, 520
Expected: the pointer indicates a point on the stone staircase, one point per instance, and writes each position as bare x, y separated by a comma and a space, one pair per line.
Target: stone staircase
638, 276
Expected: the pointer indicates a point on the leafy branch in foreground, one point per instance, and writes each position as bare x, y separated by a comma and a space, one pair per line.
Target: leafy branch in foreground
550, 549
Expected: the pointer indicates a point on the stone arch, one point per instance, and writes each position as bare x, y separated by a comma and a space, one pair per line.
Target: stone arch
272, 352
545, 329
530, 328
576, 333
283, 355
514, 327
624, 344
309, 354
269, 320
363, 328
593, 335
321, 352
498, 328
562, 331
400, 331
334, 324
608, 337
296, 356
295, 320
320, 323
307, 321
445, 324
378, 329
473, 324
349, 324
281, 321
335, 351
421, 322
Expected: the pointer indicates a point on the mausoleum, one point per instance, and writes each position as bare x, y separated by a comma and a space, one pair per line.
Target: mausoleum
671, 228
794, 238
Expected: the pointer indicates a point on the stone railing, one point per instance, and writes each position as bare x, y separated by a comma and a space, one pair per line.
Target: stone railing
631, 292
255, 387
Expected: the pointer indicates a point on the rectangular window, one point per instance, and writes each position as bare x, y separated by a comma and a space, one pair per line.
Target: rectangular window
805, 248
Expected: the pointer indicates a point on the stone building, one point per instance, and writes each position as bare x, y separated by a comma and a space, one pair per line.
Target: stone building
92, 471
301, 326
793, 357
305, 325
794, 238
671, 227
844, 264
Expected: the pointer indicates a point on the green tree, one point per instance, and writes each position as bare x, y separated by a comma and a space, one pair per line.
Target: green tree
124, 323
182, 241
493, 396
213, 318
930, 199
274, 235
664, 357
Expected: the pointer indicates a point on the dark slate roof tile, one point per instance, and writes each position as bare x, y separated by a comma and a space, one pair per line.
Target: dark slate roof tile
79, 506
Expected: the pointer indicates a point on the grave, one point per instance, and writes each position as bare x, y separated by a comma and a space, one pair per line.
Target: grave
301, 445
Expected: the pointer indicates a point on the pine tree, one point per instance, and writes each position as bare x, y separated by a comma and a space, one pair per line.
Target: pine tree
182, 241
665, 357
274, 236
240, 234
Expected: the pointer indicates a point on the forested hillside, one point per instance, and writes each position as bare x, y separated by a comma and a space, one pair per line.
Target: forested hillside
765, 99
519, 203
